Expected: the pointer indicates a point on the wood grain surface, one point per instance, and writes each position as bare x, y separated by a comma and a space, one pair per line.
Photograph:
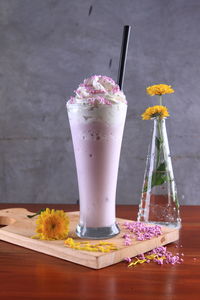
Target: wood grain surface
26, 274
20, 229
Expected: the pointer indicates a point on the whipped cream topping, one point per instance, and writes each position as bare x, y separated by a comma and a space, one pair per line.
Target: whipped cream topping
98, 90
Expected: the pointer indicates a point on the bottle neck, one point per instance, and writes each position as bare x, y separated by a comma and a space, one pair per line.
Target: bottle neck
158, 121
160, 128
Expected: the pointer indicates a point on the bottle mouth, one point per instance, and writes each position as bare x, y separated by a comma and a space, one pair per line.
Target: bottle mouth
158, 118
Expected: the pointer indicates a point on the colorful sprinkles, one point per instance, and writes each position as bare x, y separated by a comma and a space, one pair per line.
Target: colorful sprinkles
158, 255
140, 232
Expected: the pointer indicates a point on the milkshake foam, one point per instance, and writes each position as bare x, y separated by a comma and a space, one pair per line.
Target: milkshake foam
98, 90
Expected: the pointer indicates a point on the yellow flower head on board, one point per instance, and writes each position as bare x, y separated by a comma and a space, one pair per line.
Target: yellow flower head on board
157, 111
159, 89
52, 225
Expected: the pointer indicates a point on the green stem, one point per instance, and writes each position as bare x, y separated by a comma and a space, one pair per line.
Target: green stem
160, 100
161, 142
37, 213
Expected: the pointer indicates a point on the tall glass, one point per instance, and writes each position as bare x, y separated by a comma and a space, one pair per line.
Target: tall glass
97, 132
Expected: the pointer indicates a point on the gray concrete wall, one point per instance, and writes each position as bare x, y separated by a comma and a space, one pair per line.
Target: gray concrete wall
47, 47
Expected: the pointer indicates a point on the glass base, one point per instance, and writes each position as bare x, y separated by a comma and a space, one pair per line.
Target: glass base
160, 212
97, 233
167, 224
176, 225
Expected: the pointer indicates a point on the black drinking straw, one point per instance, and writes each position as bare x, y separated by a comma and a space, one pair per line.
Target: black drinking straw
124, 50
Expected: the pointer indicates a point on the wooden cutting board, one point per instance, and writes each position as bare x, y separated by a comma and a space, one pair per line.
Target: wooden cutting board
20, 229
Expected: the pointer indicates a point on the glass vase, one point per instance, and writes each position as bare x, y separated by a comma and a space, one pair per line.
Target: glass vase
159, 202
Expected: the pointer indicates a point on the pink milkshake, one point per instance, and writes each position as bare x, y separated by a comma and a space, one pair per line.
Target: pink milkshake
97, 116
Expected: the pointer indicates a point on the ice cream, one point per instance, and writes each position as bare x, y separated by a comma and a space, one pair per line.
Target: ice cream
97, 115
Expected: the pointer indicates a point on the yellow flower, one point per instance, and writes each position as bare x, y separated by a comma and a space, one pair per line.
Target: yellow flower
52, 225
155, 111
159, 89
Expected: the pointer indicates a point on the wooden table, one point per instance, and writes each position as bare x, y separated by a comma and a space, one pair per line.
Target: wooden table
25, 274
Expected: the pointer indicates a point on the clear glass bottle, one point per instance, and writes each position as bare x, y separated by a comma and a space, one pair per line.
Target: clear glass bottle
159, 202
